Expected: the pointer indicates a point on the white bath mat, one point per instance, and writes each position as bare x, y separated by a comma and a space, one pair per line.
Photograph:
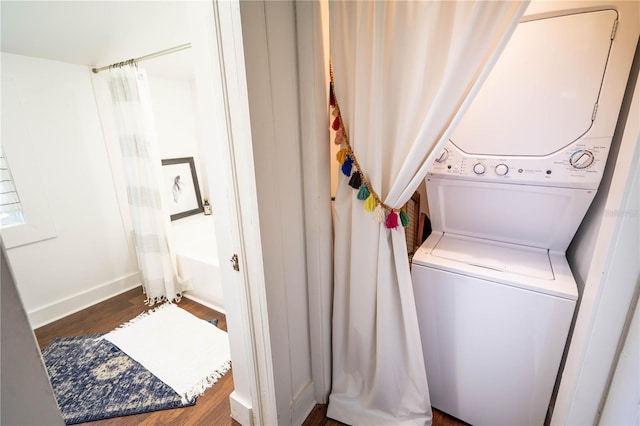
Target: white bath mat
185, 352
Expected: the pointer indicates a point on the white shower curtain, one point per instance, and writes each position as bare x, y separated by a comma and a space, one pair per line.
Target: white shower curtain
142, 168
404, 72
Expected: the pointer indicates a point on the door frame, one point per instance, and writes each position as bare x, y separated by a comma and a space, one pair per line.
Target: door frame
312, 34
224, 115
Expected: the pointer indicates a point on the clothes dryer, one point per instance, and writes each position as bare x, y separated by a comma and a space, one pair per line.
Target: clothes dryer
494, 292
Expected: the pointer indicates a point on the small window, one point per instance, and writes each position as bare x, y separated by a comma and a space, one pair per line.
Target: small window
10, 207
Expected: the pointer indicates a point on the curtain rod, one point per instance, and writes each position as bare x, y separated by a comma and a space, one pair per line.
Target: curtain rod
145, 57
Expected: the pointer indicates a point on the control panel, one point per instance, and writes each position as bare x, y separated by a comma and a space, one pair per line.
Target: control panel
579, 165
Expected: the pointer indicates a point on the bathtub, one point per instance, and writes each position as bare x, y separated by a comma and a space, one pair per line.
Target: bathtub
194, 244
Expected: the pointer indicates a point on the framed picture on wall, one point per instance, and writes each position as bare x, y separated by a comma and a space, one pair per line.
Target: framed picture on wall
181, 184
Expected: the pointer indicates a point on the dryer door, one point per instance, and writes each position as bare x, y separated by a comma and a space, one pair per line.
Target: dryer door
542, 93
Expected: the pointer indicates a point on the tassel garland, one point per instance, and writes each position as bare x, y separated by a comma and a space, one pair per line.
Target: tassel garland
392, 220
404, 218
357, 179
336, 124
378, 214
363, 194
346, 166
370, 203
341, 155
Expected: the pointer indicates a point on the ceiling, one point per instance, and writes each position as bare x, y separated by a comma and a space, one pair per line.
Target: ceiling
98, 33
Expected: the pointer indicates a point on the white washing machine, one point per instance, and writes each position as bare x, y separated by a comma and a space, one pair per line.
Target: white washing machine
494, 292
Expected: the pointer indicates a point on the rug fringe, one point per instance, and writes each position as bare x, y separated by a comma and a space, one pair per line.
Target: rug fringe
199, 388
136, 319
150, 301
143, 315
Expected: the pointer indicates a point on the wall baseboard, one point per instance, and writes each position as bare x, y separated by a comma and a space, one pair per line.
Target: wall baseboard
204, 303
240, 410
303, 403
62, 308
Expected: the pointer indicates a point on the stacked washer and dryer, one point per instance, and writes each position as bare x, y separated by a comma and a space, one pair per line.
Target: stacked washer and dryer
494, 293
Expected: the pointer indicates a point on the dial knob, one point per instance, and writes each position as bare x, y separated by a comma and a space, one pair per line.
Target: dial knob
479, 168
581, 159
444, 154
502, 169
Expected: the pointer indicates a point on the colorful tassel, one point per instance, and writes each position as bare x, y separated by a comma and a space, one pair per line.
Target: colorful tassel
378, 214
404, 218
370, 204
356, 180
346, 166
363, 194
336, 124
392, 220
341, 155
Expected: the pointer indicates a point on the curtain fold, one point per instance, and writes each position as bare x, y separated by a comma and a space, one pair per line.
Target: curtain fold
404, 74
142, 169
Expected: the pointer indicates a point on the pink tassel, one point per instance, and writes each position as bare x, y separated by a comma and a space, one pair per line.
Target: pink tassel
392, 220
336, 124
339, 138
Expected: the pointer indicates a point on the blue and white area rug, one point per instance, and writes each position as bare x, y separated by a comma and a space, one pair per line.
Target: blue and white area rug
92, 380
162, 359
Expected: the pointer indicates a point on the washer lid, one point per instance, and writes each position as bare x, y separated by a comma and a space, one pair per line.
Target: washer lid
542, 94
494, 255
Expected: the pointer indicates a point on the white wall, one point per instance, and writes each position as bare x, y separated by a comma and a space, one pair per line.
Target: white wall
269, 34
91, 257
174, 104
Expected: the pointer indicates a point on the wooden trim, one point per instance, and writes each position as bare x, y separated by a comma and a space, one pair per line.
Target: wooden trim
254, 322
221, 79
62, 308
314, 95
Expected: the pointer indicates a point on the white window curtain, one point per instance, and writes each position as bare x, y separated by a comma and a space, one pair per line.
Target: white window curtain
404, 72
142, 168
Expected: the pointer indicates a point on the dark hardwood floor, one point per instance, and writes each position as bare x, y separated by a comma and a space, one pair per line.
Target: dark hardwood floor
212, 408
318, 417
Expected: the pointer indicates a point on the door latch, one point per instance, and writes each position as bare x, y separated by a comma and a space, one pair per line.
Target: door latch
234, 262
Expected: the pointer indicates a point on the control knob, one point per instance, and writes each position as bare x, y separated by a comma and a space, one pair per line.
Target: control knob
479, 168
444, 154
502, 169
581, 159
